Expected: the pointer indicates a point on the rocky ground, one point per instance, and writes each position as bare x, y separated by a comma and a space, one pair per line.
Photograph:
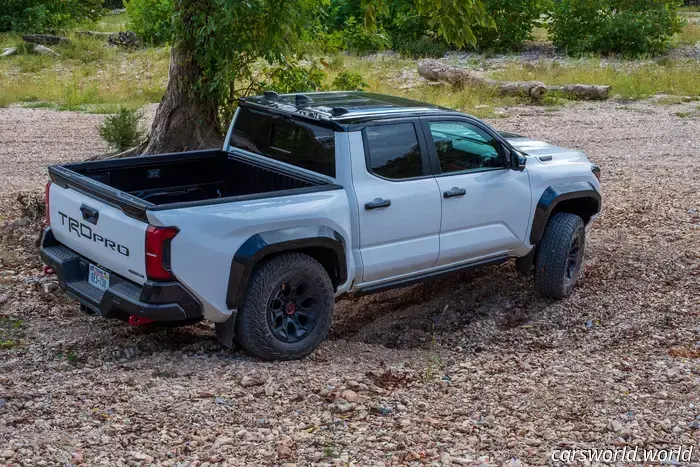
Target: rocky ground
470, 370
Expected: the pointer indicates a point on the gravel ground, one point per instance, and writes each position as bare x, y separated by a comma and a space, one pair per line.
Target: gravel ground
470, 370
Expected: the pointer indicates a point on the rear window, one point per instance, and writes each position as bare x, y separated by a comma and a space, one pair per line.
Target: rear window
295, 142
394, 151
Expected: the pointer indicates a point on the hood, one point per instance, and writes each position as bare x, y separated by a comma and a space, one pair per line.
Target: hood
544, 152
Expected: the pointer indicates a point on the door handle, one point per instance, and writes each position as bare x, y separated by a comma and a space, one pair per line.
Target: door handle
378, 203
89, 214
454, 192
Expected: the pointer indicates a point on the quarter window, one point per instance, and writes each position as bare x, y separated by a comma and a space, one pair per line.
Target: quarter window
393, 151
461, 147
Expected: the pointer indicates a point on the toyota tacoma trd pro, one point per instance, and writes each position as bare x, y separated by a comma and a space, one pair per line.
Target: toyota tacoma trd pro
313, 196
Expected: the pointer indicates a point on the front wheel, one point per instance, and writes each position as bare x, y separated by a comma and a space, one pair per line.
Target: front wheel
560, 255
287, 309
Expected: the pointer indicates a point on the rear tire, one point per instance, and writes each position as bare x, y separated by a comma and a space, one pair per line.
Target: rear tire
287, 309
560, 255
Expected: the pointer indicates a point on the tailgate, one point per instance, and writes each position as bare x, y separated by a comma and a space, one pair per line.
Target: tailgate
98, 231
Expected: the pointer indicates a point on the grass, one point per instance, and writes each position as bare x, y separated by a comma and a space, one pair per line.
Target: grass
88, 76
108, 23
629, 80
385, 75
690, 35
10, 333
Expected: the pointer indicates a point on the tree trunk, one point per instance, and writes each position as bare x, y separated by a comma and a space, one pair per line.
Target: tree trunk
184, 120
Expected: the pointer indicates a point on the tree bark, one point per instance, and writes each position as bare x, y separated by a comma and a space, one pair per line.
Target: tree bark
184, 120
433, 70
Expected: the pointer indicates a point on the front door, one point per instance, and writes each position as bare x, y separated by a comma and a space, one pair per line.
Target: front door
485, 204
398, 200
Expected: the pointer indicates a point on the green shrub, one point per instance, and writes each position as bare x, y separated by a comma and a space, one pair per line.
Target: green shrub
291, 77
515, 20
355, 38
122, 130
151, 20
36, 16
627, 27
348, 81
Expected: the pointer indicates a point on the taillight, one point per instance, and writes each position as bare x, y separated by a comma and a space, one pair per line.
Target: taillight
46, 202
158, 252
596, 171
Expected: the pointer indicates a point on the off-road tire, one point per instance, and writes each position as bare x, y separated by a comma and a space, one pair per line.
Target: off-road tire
252, 329
552, 262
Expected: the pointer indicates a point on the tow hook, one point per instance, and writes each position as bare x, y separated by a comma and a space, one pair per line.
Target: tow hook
47, 271
139, 321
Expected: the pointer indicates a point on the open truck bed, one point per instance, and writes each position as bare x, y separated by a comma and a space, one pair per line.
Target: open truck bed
169, 181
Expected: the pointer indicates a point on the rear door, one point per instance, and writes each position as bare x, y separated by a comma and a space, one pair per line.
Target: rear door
485, 204
100, 232
398, 199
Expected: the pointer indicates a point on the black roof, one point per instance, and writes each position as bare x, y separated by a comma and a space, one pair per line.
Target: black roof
344, 107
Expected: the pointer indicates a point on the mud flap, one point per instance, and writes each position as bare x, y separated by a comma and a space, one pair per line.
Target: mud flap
225, 332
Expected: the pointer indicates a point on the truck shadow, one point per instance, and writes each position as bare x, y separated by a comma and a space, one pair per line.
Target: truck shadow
468, 309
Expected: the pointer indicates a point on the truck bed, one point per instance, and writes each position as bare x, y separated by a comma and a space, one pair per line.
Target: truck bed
189, 176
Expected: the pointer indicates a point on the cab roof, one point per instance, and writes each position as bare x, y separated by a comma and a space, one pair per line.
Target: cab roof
342, 108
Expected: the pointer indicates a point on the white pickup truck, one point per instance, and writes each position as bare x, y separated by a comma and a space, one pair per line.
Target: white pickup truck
313, 197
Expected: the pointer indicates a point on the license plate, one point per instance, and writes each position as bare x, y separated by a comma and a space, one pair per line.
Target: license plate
98, 278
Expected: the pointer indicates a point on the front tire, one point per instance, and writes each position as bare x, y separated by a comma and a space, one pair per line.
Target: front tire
560, 255
287, 309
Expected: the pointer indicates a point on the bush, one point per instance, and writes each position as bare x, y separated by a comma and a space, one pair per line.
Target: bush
627, 27
122, 130
151, 20
355, 38
37, 16
291, 77
348, 81
514, 19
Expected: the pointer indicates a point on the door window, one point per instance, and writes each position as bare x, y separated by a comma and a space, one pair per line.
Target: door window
394, 151
461, 147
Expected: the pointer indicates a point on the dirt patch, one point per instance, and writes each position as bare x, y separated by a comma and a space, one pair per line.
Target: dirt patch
473, 369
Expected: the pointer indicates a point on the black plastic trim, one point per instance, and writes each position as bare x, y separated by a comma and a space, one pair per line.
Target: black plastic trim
131, 205
159, 301
411, 280
554, 195
257, 247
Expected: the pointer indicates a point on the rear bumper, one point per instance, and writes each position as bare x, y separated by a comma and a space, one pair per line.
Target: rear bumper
159, 301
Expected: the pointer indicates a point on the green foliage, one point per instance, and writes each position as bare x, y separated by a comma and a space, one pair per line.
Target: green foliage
627, 27
151, 20
36, 16
291, 77
355, 38
122, 130
225, 39
348, 81
515, 20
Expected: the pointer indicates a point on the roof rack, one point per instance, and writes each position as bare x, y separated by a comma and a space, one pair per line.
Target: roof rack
302, 100
271, 95
338, 111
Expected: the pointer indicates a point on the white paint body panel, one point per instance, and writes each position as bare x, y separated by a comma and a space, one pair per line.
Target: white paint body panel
112, 224
402, 237
490, 219
202, 252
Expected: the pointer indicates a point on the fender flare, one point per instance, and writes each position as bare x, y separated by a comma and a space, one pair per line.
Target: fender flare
554, 195
264, 244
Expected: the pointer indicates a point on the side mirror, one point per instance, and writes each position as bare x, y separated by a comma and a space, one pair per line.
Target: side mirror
517, 160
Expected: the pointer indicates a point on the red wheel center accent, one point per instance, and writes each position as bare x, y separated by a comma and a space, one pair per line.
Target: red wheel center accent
290, 308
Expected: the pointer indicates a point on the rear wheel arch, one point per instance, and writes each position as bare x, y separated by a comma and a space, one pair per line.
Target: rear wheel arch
322, 243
